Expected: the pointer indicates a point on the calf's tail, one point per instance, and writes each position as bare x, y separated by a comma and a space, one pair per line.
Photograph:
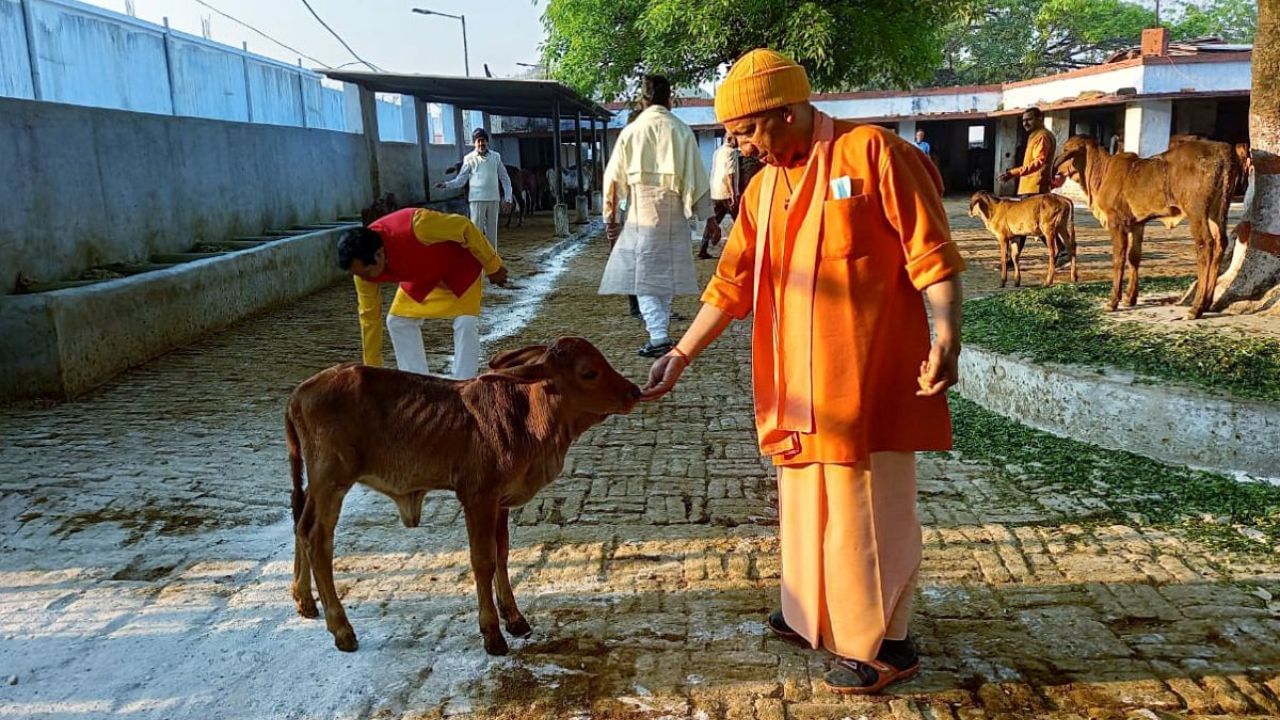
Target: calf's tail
299, 496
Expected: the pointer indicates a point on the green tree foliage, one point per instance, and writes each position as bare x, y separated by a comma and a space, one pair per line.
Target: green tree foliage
1004, 40
601, 47
1231, 20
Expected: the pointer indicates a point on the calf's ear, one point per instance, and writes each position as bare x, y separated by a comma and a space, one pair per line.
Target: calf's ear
522, 374
515, 358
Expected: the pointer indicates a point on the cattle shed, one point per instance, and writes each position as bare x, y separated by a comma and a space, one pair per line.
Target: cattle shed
540, 100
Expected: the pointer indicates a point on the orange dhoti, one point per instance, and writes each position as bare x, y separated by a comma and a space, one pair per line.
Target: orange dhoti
850, 551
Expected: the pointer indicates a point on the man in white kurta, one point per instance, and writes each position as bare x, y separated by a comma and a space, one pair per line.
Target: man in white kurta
724, 193
488, 185
657, 169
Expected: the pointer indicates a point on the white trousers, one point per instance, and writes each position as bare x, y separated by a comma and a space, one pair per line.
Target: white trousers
656, 311
485, 215
411, 352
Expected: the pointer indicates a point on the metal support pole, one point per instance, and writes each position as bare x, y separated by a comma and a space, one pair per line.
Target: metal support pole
424, 143
556, 139
168, 68
248, 89
29, 24
604, 149
595, 160
577, 147
466, 55
302, 95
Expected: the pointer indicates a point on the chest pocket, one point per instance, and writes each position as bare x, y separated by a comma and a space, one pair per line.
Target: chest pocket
847, 225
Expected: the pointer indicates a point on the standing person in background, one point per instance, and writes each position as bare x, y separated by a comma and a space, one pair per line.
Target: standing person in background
488, 185
724, 192
1034, 174
923, 144
657, 168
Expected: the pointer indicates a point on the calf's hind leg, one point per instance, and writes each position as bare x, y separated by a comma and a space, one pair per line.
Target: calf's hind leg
516, 623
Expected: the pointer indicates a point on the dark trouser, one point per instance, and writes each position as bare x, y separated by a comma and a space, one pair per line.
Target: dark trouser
721, 209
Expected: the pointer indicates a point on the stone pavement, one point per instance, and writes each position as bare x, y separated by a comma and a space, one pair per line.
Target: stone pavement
145, 551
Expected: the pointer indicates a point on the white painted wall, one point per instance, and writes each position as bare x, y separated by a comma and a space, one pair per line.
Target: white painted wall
88, 59
208, 81
275, 97
910, 105
1108, 82
92, 56
15, 62
1147, 126
1203, 77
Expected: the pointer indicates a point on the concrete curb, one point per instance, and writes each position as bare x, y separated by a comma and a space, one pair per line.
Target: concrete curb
1173, 424
65, 342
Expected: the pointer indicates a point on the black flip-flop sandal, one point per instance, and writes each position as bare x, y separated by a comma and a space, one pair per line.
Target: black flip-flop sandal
777, 625
860, 677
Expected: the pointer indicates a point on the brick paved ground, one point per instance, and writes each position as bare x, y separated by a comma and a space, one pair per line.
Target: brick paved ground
145, 552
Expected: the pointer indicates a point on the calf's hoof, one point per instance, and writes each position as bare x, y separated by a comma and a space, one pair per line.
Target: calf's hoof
307, 607
495, 644
519, 628
345, 640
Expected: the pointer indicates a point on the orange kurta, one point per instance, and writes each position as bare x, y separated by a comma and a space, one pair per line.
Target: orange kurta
868, 332
1035, 174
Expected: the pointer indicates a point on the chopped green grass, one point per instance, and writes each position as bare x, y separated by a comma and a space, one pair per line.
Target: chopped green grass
1064, 324
1208, 506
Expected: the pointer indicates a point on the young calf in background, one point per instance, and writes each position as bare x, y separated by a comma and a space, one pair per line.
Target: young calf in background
494, 440
1049, 216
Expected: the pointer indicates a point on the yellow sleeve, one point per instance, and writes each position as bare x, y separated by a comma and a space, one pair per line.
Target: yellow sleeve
1037, 156
369, 302
911, 189
431, 227
475, 243
615, 178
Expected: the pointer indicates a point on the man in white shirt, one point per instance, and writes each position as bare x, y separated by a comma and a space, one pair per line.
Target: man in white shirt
488, 185
724, 186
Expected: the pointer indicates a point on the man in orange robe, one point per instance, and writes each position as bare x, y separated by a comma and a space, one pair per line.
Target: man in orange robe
837, 241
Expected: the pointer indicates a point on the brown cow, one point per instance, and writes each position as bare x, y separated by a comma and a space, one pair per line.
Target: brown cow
1193, 180
494, 440
1048, 216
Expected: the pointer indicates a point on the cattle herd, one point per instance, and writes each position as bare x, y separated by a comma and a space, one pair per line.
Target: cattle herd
1194, 180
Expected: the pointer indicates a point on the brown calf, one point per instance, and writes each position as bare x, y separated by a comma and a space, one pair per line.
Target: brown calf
494, 440
1192, 180
1049, 216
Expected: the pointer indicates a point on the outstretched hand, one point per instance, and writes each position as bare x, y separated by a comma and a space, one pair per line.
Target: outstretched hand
663, 375
499, 277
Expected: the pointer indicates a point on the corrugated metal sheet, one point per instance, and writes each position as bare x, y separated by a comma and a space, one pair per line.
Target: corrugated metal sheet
275, 97
87, 59
208, 81
15, 63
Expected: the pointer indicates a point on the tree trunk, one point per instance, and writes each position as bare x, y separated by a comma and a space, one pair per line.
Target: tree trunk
1251, 283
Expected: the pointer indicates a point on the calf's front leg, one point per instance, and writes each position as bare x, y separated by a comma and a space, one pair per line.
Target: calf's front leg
482, 516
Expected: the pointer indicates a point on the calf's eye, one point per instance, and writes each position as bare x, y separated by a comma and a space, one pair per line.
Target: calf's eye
590, 375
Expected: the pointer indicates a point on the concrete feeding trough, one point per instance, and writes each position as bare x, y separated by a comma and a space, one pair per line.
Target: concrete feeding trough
63, 338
